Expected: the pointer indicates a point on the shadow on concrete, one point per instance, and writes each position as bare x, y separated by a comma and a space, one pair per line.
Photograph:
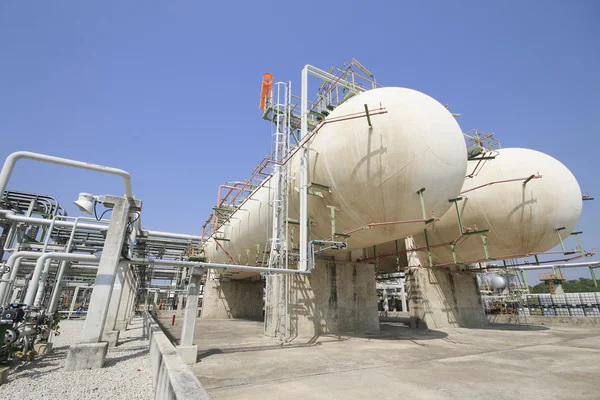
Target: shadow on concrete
513, 327
399, 331
243, 349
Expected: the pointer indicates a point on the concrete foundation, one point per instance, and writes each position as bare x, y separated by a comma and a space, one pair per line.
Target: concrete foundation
444, 298
189, 354
225, 299
86, 356
337, 297
112, 337
121, 325
42, 348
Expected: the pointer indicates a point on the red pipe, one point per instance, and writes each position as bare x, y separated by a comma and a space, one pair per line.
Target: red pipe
504, 181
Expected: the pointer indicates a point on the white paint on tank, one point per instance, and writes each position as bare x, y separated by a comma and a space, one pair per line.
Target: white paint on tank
522, 219
374, 174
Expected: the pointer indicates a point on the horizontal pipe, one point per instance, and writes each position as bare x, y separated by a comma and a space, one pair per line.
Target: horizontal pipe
12, 159
504, 181
550, 266
11, 216
172, 235
145, 261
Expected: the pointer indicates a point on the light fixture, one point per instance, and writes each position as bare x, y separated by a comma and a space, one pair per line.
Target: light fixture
85, 203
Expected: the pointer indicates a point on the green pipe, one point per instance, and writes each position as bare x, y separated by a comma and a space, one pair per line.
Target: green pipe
460, 225
524, 278
420, 193
594, 277
428, 248
397, 255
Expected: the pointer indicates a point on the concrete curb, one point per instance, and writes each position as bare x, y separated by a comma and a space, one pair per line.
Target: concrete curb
172, 378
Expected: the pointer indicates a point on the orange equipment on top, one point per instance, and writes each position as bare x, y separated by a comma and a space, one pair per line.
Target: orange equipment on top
266, 89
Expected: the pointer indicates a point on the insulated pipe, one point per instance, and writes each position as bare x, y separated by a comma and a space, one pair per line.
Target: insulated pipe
57, 287
61, 270
13, 264
33, 283
218, 266
172, 235
12, 159
11, 216
551, 266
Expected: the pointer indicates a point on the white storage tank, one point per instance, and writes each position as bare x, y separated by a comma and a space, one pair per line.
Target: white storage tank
522, 219
373, 174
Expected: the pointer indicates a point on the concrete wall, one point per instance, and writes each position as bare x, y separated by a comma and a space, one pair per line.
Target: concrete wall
337, 297
549, 321
172, 379
224, 299
441, 298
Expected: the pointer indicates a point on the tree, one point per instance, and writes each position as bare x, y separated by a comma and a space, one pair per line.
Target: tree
580, 285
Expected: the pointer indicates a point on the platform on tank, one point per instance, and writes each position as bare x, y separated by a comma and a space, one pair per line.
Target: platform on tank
499, 361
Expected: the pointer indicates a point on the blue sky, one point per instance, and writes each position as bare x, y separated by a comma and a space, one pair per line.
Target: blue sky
169, 90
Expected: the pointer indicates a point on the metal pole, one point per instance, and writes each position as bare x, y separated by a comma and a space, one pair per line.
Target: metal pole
303, 219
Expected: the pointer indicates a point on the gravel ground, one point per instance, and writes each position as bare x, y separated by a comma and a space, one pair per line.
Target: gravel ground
127, 372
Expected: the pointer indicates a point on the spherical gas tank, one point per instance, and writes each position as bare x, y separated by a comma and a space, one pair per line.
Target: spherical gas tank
499, 282
522, 218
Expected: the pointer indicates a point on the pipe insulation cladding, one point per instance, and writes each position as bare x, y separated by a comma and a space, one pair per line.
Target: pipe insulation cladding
522, 216
373, 174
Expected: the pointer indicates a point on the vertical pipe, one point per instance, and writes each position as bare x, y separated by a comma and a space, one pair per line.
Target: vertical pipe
594, 277
57, 287
302, 264
73, 301
524, 278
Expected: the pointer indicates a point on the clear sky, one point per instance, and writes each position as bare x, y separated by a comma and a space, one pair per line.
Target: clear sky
169, 90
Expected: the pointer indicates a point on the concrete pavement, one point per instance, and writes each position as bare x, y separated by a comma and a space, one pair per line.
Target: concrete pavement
236, 361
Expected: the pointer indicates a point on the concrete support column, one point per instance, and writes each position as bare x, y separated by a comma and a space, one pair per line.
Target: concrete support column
134, 292
441, 298
91, 353
155, 300
122, 320
186, 349
181, 295
225, 299
336, 297
110, 334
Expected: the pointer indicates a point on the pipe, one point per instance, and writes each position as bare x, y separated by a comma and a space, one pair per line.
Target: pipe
172, 235
73, 301
11, 216
217, 266
33, 283
303, 218
61, 272
503, 181
12, 159
13, 264
549, 266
